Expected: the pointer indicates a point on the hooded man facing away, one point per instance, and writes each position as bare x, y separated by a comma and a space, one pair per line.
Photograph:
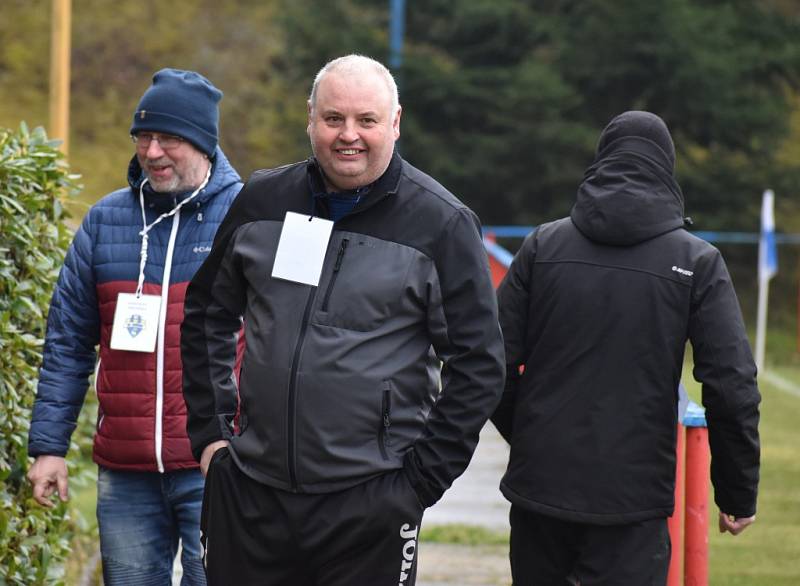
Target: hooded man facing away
598, 307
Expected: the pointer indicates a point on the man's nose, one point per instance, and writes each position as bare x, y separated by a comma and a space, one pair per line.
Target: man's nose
348, 132
154, 150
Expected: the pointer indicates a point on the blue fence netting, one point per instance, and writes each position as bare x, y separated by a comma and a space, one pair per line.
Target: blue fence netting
710, 236
505, 257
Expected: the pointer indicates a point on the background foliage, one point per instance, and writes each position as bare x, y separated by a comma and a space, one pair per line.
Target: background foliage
503, 99
503, 103
33, 240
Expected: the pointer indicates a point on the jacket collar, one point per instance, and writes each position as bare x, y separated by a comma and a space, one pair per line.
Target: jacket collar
385, 186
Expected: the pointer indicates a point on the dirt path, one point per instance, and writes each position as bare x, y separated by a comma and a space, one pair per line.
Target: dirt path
474, 499
447, 565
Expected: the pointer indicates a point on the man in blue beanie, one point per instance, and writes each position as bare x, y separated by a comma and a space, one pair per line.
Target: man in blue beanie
121, 289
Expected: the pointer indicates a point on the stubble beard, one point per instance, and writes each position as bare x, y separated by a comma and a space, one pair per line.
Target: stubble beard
179, 182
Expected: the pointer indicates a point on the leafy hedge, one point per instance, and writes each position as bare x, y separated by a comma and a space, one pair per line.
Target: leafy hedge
34, 178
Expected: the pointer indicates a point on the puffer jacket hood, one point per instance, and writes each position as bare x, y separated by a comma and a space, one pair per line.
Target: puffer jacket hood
629, 193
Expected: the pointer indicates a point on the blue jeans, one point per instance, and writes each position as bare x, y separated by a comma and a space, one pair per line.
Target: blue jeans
142, 516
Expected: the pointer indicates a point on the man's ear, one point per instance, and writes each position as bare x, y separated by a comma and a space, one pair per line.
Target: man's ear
396, 122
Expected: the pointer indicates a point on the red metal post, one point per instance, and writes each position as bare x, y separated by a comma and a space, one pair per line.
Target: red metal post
497, 268
675, 522
698, 460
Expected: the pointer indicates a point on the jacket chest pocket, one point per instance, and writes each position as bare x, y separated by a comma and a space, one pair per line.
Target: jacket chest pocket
364, 283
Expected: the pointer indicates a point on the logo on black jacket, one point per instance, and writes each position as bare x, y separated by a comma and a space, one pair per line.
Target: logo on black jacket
681, 271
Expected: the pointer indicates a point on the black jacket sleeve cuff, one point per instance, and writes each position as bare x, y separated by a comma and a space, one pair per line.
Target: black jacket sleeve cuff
427, 493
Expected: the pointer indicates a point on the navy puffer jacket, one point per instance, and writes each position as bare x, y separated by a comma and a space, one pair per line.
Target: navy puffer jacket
141, 422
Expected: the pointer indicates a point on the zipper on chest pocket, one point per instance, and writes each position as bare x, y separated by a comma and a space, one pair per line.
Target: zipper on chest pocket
337, 265
384, 439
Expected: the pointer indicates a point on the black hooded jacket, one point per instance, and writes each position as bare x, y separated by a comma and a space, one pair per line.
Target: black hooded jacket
598, 307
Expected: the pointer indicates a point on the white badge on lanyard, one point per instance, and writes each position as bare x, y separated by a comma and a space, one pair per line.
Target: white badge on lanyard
136, 322
301, 248
137, 316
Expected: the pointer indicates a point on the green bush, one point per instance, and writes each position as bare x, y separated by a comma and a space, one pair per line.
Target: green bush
34, 179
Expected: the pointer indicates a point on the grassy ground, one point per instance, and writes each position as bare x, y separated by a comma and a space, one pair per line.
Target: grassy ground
84, 499
766, 554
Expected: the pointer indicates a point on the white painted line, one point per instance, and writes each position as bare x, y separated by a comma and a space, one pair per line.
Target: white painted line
780, 383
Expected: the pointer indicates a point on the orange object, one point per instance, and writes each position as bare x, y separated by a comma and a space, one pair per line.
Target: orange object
497, 268
675, 522
698, 461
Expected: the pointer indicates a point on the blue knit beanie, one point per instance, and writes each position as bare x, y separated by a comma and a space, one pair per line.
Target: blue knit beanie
183, 103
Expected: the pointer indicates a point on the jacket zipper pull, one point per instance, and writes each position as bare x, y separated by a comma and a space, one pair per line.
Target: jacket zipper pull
387, 410
340, 255
336, 266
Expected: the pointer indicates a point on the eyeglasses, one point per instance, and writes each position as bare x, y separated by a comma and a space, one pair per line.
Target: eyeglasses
167, 142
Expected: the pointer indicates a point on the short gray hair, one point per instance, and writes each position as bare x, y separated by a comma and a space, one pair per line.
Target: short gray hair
356, 64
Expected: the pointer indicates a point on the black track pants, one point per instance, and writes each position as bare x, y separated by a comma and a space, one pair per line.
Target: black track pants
253, 534
547, 551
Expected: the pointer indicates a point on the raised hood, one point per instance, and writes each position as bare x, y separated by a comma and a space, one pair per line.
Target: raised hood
629, 194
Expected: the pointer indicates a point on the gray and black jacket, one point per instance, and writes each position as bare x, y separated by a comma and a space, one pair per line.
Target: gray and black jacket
341, 382
598, 308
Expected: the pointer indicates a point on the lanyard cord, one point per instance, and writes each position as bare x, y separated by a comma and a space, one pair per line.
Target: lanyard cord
146, 228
